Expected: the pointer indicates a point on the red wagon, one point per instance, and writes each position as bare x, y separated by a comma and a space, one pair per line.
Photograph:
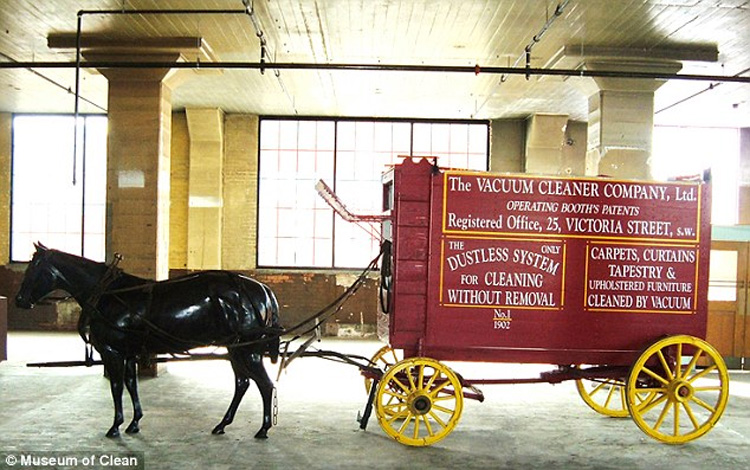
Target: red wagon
606, 279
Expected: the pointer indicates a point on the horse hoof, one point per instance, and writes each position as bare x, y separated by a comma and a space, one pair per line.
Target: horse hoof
218, 430
133, 429
112, 433
262, 434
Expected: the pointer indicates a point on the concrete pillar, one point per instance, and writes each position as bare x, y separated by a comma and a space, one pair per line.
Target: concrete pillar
545, 138
138, 168
621, 120
507, 137
240, 206
6, 144
205, 188
179, 192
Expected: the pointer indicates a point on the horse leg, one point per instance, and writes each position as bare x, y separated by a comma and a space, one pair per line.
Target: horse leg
131, 383
115, 367
241, 383
257, 370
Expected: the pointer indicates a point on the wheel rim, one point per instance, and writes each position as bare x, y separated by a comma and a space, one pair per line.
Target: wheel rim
606, 396
673, 400
383, 359
419, 401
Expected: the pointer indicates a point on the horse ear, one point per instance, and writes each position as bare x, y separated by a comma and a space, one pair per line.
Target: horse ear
40, 247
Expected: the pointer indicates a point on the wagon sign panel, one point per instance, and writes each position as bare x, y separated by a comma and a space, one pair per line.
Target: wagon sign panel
553, 269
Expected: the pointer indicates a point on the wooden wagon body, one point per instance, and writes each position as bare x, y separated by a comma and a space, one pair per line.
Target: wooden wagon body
604, 278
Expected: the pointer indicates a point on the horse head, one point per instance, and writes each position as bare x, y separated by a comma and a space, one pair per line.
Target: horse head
40, 279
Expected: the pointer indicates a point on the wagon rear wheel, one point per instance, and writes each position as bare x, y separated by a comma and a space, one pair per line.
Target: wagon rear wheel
419, 401
678, 389
606, 396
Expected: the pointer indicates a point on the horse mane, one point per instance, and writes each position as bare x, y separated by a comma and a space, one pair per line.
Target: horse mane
100, 268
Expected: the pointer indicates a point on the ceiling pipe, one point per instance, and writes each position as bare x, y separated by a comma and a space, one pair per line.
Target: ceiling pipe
475, 69
265, 54
526, 54
79, 27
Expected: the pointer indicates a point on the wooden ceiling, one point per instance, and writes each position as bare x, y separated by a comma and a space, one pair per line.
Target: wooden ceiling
710, 37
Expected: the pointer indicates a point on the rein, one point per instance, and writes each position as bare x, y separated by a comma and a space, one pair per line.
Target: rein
89, 311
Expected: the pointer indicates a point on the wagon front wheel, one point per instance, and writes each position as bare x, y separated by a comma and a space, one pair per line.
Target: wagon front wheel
383, 359
678, 389
419, 401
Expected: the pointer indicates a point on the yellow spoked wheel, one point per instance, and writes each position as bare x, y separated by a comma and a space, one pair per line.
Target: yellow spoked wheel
419, 401
670, 397
383, 359
606, 396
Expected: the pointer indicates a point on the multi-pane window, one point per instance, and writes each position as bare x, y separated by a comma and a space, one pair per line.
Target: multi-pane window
47, 206
296, 228
684, 151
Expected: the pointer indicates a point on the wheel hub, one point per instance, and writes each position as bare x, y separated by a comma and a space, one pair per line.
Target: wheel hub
420, 404
680, 390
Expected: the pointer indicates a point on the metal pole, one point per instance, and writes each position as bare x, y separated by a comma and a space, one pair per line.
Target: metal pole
474, 69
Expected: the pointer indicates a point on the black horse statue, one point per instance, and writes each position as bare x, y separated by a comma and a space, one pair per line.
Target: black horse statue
125, 317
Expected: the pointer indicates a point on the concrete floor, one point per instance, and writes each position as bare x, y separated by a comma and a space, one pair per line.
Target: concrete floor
67, 411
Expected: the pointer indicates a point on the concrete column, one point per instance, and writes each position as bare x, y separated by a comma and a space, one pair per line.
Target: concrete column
240, 206
205, 188
138, 169
621, 120
179, 192
507, 138
545, 138
6, 144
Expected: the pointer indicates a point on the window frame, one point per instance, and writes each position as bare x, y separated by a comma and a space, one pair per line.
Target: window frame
81, 146
336, 120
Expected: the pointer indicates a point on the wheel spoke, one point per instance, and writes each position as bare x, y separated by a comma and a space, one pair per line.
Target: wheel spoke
597, 388
693, 362
662, 416
395, 394
405, 424
427, 425
420, 379
434, 393
400, 415
396, 407
653, 403
690, 414
415, 435
702, 373
437, 418
678, 362
655, 375
444, 398
703, 404
410, 376
676, 428
401, 385
434, 376
664, 364
442, 408
609, 396
712, 388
